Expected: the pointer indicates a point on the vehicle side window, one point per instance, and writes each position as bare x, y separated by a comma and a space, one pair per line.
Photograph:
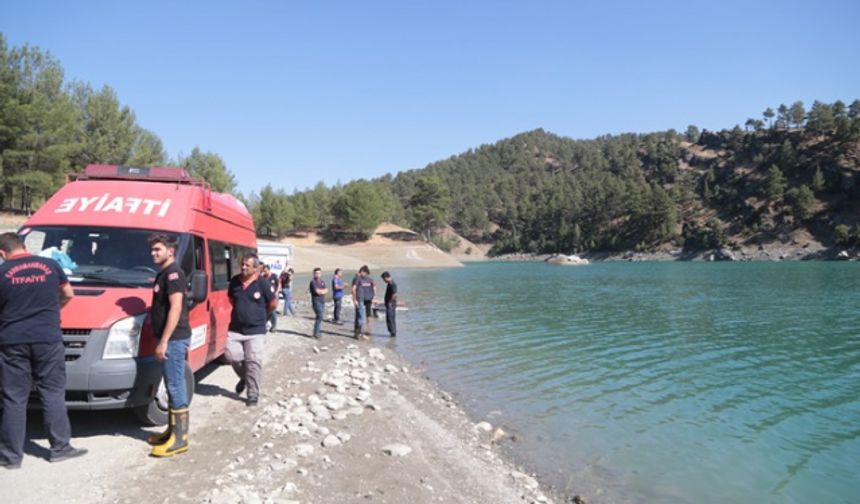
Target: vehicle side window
236, 260
186, 262
199, 262
219, 255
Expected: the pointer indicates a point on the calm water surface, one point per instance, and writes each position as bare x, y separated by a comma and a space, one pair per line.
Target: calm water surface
656, 382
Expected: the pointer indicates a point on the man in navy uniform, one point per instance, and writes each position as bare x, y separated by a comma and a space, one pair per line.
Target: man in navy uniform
32, 291
253, 298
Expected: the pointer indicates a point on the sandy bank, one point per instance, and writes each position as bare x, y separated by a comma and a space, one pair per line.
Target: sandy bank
382, 251
339, 421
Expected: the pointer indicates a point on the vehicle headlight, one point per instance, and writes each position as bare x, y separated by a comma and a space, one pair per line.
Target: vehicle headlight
124, 338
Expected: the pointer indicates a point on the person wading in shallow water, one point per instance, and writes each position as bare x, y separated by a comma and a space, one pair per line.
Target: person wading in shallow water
390, 303
253, 299
169, 318
32, 291
363, 291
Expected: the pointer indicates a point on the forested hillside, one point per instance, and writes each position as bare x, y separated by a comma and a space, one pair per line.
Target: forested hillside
793, 170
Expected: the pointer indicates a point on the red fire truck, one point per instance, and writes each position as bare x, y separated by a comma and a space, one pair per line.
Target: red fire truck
96, 227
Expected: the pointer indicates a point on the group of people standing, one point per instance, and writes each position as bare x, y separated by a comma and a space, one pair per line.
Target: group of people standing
363, 292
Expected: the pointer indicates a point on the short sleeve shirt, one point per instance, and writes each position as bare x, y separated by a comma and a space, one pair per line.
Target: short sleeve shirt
363, 288
390, 291
336, 288
250, 304
313, 288
30, 300
169, 280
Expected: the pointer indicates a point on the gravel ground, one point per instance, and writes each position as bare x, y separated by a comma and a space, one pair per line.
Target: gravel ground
339, 421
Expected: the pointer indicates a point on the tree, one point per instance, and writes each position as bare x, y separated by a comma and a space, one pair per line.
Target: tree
802, 202
39, 125
210, 167
768, 116
428, 205
818, 181
796, 114
692, 134
359, 208
774, 189
782, 118
110, 130
272, 212
147, 150
820, 118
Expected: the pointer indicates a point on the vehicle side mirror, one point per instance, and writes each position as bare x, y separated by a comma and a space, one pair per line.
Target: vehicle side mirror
199, 283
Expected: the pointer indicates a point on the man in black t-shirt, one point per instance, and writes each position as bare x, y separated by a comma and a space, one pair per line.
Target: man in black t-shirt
169, 318
390, 303
363, 291
253, 299
318, 292
32, 291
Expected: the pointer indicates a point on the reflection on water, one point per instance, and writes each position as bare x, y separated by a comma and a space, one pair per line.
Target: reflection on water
670, 382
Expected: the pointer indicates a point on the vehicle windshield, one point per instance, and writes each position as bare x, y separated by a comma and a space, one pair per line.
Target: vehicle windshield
96, 255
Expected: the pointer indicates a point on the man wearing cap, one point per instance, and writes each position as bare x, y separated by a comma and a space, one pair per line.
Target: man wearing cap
32, 291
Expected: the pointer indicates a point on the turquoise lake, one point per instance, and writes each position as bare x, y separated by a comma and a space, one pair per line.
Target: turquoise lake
655, 382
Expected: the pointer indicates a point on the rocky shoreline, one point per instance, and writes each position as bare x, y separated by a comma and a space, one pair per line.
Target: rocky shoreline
342, 421
757, 253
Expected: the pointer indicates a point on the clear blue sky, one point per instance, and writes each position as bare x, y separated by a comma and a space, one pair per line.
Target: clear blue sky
297, 92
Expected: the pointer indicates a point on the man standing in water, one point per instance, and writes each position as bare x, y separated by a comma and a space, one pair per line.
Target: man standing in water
390, 303
169, 318
253, 299
318, 292
337, 295
363, 291
32, 291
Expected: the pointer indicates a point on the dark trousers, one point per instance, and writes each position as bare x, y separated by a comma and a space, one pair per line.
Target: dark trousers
338, 302
319, 310
391, 318
20, 365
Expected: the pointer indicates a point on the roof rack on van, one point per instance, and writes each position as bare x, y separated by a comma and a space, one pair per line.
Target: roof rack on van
154, 174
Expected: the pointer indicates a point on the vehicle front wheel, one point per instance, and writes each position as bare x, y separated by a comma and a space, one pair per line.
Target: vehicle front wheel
156, 412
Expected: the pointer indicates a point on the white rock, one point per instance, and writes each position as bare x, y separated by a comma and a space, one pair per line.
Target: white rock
289, 488
303, 449
525, 480
391, 368
334, 401
396, 450
330, 441
344, 436
484, 426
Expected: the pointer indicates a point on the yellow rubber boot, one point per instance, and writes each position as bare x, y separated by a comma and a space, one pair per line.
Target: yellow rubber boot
178, 441
157, 439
